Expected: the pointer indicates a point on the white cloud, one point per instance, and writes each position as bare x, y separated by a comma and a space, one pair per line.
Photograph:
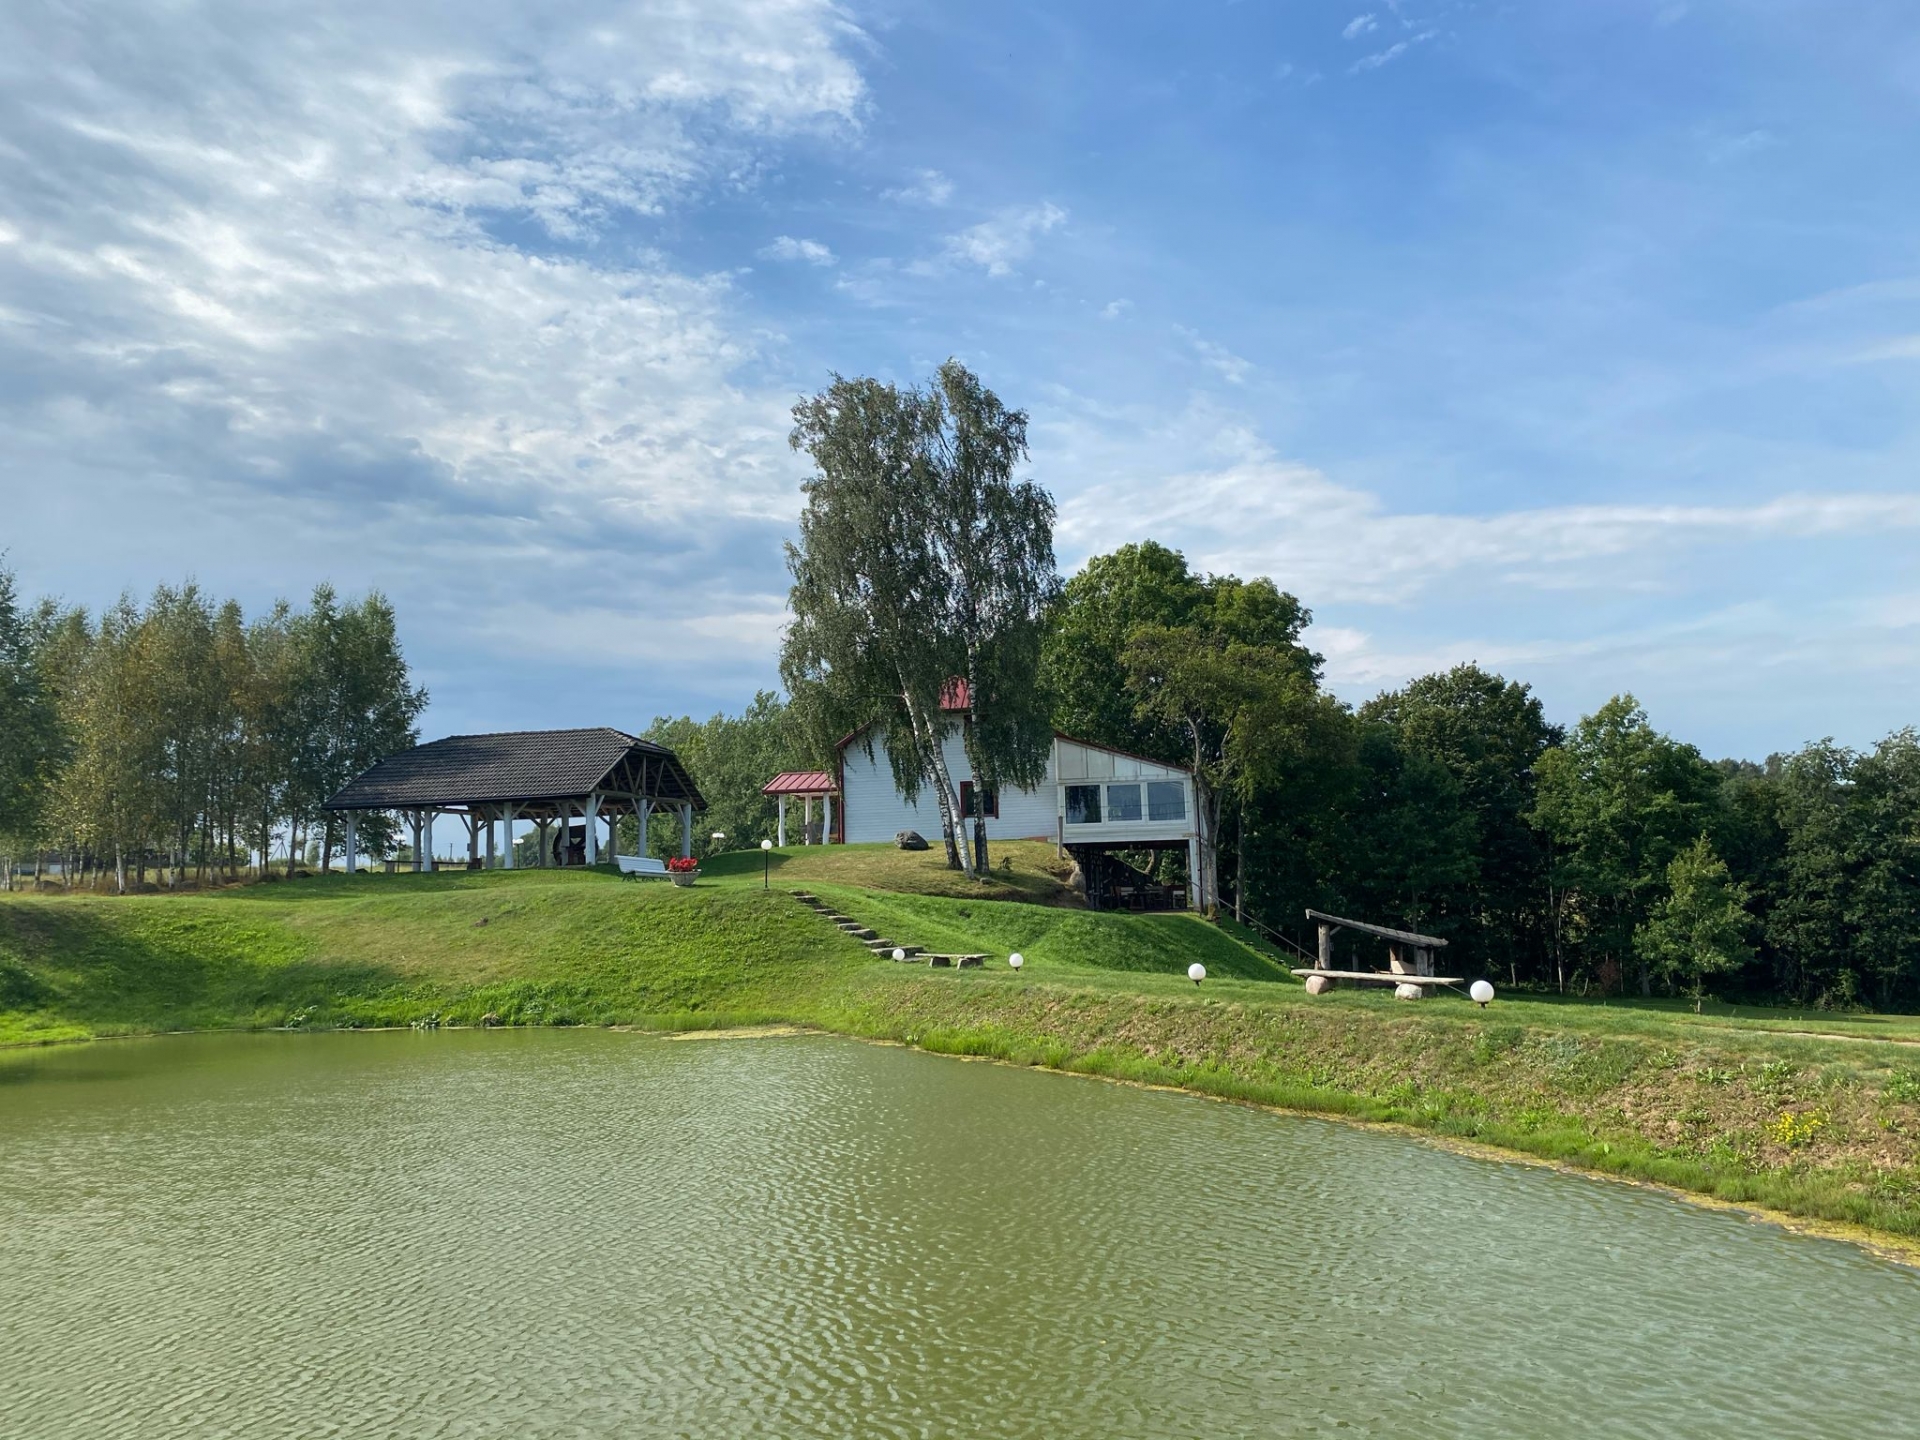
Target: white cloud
1358, 26
1222, 361
785, 247
996, 244
286, 268
1114, 309
1244, 509
1379, 57
929, 187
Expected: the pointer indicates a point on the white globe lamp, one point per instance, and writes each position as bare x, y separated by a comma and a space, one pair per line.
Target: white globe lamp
1016, 960
1196, 972
766, 864
1481, 992
898, 953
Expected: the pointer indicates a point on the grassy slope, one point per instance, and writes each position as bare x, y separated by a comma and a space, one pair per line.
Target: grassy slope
1647, 1090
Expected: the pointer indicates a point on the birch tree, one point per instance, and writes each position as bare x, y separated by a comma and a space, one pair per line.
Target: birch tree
869, 592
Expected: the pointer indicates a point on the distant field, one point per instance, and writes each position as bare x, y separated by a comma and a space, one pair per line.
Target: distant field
1811, 1113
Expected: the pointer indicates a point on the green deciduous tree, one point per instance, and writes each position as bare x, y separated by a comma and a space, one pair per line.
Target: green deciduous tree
731, 757
994, 539
1617, 801
920, 560
31, 736
1700, 927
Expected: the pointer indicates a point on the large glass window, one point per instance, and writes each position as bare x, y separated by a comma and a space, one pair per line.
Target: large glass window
1083, 804
1123, 802
1166, 800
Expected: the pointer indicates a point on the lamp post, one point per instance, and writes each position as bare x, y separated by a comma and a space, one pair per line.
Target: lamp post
1196, 972
1016, 960
766, 864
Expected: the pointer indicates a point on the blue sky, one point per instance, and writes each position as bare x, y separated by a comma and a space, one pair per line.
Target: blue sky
1578, 339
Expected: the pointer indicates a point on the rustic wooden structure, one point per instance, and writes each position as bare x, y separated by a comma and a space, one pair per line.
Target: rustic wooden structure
1409, 959
805, 786
563, 781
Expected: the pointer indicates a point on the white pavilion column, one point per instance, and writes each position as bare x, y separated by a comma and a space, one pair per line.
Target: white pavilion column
806, 824
643, 810
826, 819
686, 829
426, 853
1193, 872
491, 862
413, 824
353, 848
593, 829
506, 835
782, 841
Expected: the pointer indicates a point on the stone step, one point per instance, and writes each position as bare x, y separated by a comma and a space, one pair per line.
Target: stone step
859, 932
972, 962
939, 960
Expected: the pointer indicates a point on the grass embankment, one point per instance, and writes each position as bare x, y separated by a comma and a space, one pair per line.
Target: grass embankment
1813, 1115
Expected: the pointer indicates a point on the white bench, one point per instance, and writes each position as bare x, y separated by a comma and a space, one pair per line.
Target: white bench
635, 866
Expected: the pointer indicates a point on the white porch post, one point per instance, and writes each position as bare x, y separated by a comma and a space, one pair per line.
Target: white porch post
646, 827
826, 819
506, 836
686, 830
491, 861
353, 848
593, 829
1193, 871
782, 841
427, 830
806, 824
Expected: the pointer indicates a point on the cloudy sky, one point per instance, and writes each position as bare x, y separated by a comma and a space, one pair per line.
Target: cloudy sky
1578, 339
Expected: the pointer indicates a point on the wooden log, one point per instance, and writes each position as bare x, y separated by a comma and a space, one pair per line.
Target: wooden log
1378, 977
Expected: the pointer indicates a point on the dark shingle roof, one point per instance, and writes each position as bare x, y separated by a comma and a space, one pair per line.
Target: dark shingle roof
513, 765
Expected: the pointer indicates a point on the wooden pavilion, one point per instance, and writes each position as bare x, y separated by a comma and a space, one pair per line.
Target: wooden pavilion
805, 786
561, 781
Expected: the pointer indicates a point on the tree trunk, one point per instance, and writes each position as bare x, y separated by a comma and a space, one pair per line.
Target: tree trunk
326, 845
958, 856
980, 862
119, 868
1239, 863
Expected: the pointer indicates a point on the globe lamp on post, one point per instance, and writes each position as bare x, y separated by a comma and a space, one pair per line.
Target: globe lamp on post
1196, 972
1480, 992
766, 864
1016, 960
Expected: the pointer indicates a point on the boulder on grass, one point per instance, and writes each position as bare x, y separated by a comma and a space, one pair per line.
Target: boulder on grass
910, 840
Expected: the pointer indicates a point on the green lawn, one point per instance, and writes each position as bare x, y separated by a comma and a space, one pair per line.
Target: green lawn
1814, 1114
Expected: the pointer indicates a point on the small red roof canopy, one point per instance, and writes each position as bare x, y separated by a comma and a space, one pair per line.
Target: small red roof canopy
800, 782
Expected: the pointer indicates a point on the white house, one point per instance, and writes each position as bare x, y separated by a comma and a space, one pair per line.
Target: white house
1093, 799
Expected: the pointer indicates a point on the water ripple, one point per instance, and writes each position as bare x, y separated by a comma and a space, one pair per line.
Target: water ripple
587, 1235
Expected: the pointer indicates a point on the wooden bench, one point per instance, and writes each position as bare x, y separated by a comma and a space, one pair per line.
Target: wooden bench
634, 867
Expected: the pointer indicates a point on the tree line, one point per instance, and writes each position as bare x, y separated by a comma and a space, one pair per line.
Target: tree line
181, 737
1603, 857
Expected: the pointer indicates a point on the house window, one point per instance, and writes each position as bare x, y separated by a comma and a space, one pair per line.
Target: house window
1083, 804
989, 801
1123, 802
1166, 800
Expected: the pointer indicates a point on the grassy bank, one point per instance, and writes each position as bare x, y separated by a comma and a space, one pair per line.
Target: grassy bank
1813, 1115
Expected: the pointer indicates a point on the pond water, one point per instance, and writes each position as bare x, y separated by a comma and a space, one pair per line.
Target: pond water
535, 1234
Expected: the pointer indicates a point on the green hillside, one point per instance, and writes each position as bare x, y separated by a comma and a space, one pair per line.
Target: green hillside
1816, 1115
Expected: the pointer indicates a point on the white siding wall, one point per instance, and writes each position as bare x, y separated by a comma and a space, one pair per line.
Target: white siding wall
875, 810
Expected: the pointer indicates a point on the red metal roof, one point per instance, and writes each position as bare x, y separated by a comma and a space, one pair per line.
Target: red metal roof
801, 782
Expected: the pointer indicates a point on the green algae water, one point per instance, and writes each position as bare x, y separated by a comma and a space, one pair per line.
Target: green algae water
577, 1234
